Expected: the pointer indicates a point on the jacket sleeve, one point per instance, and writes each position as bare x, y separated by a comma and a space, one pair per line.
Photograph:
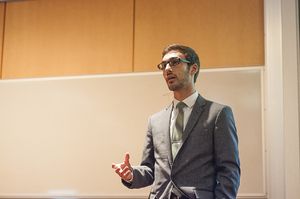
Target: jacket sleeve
143, 175
226, 155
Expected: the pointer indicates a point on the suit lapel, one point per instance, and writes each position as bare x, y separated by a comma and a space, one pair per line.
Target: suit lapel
194, 117
166, 129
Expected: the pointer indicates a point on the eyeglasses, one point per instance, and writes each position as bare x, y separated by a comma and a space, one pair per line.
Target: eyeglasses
172, 62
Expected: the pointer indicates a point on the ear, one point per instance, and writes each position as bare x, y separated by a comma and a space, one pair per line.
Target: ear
193, 69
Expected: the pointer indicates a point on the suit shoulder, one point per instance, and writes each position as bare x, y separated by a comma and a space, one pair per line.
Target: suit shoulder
202, 102
162, 112
216, 107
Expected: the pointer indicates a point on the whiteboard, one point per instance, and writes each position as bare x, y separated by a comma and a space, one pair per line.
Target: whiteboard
60, 135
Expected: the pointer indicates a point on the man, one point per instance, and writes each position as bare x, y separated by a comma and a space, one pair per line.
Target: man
190, 151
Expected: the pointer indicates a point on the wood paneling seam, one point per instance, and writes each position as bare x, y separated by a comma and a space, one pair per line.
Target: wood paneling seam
3, 31
133, 35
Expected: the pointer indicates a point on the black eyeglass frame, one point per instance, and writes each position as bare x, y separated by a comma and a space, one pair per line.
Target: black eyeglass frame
163, 64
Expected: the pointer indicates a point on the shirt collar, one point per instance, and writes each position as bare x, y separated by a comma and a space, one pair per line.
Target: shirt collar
189, 101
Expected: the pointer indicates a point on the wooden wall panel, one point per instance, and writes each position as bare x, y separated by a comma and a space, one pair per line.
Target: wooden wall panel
223, 33
63, 37
76, 37
2, 12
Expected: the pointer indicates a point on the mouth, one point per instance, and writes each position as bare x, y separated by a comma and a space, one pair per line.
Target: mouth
170, 77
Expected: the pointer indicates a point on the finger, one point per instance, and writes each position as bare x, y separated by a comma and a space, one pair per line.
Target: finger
115, 166
125, 169
122, 173
118, 171
127, 175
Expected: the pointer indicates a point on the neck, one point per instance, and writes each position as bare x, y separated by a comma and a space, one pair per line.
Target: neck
183, 93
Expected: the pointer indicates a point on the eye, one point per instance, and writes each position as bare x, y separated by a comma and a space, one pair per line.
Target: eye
164, 64
174, 62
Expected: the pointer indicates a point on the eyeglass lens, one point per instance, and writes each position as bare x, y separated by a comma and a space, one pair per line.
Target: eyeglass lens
173, 62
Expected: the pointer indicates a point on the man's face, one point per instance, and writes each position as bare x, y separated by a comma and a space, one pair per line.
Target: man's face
177, 77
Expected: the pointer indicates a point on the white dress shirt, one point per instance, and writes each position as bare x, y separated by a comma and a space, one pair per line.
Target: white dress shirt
187, 110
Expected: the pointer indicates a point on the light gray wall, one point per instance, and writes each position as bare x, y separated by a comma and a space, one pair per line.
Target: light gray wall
59, 136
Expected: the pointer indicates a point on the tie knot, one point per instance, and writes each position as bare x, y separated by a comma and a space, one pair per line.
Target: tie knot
180, 105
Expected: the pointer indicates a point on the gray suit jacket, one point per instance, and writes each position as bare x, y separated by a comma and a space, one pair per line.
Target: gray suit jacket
207, 164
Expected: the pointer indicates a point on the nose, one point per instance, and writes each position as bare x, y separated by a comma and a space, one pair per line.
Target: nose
168, 67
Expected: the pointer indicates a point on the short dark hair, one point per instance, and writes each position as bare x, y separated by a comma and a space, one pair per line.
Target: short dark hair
189, 53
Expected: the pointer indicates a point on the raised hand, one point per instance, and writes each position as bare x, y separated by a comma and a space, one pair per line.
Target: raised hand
123, 169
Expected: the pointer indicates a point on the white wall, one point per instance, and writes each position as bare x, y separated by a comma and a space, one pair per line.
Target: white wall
59, 136
282, 110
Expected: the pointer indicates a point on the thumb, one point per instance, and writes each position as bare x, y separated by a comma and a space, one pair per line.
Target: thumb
126, 161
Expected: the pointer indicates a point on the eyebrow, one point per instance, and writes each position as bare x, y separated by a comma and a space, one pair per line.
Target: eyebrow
170, 58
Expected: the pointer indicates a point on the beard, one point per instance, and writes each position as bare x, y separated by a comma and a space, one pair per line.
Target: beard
176, 86
180, 81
